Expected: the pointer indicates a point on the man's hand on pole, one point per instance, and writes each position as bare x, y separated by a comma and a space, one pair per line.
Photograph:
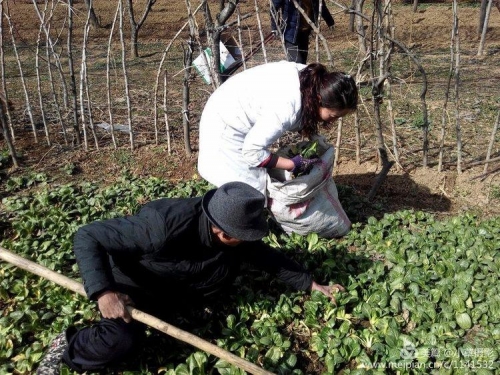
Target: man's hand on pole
113, 305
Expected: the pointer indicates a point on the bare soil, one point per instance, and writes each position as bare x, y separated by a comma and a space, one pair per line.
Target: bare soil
408, 186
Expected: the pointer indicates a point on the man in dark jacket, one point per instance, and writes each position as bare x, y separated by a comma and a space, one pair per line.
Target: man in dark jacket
172, 250
287, 20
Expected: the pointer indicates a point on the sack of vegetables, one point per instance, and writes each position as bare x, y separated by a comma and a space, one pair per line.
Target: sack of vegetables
307, 203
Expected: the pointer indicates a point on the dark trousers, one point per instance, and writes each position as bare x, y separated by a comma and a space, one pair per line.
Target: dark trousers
110, 341
104, 344
297, 52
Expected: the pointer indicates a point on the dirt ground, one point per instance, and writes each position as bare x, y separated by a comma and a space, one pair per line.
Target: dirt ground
409, 186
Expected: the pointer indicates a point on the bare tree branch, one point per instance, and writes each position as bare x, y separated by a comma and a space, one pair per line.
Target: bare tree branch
136, 26
444, 116
492, 141
125, 79
6, 14
5, 131
37, 69
76, 127
108, 81
6, 109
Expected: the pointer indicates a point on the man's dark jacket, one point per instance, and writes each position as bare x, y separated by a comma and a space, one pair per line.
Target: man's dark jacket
166, 249
290, 16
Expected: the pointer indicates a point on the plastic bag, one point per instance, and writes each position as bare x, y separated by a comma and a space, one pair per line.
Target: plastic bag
308, 203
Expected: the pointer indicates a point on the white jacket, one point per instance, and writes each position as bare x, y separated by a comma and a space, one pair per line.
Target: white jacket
243, 117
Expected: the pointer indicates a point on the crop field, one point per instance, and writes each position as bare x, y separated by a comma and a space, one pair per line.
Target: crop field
420, 264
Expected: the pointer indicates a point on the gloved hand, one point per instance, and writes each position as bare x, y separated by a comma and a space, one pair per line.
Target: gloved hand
302, 165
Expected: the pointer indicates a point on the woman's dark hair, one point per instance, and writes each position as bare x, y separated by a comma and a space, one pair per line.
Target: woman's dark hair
320, 88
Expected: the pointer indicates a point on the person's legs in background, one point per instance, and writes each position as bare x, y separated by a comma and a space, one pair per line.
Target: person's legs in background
298, 52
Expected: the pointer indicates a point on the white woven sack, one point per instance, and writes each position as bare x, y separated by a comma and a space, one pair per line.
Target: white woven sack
309, 203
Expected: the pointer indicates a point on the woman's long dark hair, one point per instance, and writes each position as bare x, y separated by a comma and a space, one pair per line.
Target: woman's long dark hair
320, 88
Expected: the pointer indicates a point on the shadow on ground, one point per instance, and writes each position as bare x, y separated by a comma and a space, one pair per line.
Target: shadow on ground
398, 192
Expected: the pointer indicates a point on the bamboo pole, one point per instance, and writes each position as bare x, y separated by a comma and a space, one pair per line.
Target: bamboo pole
157, 81
389, 30
108, 79
186, 93
138, 315
49, 51
83, 81
74, 100
444, 115
89, 106
261, 34
480, 51
318, 25
8, 119
492, 141
423, 92
458, 128
37, 69
485, 161
21, 73
86, 83
4, 127
125, 77
358, 138
240, 38
339, 141
165, 113
57, 60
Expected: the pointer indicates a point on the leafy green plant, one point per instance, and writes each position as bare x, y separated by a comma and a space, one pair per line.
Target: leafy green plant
418, 121
22, 182
419, 291
495, 191
308, 150
123, 158
69, 169
4, 158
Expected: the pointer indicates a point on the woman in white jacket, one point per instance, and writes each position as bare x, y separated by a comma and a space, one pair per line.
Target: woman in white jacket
252, 109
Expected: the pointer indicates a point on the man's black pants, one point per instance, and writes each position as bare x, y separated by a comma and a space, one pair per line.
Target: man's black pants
103, 344
110, 341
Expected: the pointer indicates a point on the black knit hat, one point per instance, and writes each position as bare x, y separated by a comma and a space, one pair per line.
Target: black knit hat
238, 210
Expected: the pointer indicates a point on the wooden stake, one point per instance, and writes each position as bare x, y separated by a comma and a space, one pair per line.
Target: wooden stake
21, 72
108, 78
261, 34
37, 69
138, 315
125, 77
492, 141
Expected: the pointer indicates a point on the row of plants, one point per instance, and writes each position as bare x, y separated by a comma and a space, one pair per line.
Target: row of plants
422, 295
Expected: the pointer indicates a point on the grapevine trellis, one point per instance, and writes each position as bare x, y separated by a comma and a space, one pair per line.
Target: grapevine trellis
64, 95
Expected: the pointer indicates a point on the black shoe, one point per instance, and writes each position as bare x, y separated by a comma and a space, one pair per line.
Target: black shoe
51, 363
